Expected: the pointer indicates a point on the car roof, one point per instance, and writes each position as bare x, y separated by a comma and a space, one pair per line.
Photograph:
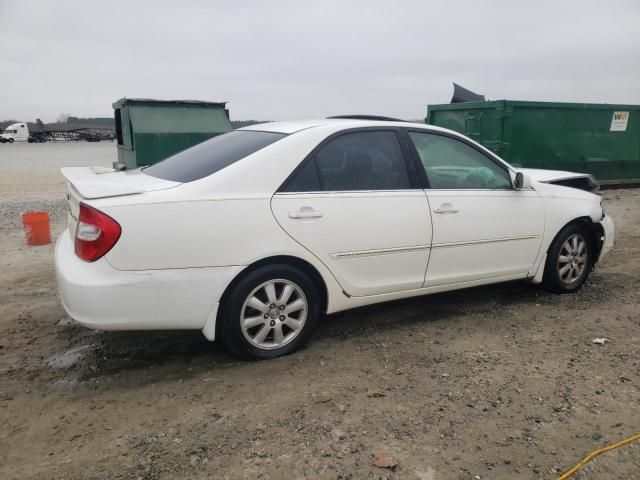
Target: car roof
334, 125
294, 126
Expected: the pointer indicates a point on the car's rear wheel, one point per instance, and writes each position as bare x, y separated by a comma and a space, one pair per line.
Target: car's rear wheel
270, 312
569, 260
11, 140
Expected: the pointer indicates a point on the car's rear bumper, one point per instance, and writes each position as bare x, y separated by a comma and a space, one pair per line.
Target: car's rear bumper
609, 234
101, 297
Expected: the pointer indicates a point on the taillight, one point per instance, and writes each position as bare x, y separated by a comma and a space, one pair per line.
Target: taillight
96, 233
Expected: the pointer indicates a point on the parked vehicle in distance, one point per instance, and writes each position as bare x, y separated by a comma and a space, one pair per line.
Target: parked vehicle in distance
37, 137
16, 132
250, 236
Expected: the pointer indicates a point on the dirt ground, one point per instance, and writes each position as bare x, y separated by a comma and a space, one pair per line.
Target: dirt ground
487, 383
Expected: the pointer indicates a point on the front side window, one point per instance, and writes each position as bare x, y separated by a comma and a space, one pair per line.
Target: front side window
371, 160
452, 164
212, 155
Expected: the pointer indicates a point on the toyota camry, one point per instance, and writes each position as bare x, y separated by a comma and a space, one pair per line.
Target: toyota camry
253, 235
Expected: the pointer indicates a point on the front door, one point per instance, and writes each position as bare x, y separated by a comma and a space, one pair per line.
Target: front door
355, 206
482, 227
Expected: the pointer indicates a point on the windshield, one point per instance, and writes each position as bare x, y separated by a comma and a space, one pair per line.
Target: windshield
212, 155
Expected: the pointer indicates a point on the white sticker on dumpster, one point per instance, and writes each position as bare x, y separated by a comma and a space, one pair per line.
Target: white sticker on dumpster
619, 122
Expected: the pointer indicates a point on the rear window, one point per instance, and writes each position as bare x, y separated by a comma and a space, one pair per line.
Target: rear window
212, 155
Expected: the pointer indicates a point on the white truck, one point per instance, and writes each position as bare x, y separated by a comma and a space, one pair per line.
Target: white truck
17, 132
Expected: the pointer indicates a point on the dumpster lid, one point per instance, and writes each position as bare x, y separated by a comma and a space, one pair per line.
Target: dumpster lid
502, 104
151, 101
461, 95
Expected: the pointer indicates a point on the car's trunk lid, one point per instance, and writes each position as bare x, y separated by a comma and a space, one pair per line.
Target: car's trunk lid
89, 183
100, 182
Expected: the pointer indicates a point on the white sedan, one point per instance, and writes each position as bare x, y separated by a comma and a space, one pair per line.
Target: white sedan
252, 235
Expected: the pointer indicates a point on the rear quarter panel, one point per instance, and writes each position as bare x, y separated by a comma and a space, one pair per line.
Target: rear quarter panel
193, 234
207, 233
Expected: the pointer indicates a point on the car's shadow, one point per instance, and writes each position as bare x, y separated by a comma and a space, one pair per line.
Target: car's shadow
430, 308
182, 354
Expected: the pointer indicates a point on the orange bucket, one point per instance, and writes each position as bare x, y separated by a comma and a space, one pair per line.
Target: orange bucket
36, 228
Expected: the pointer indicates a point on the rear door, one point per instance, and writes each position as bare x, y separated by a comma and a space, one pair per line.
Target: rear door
482, 227
356, 204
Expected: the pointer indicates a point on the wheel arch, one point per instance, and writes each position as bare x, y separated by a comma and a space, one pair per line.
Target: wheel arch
594, 229
290, 260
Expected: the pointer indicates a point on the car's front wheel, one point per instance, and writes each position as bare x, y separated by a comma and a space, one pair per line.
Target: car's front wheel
569, 260
271, 312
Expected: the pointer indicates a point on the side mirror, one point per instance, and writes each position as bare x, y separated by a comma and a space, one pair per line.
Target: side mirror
522, 181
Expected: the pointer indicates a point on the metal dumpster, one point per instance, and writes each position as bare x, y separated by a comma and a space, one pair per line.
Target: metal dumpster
600, 139
151, 130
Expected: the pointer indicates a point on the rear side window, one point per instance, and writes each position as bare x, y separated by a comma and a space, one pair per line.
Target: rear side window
371, 160
212, 155
305, 180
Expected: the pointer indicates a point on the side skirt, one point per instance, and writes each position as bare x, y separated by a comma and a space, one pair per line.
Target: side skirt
353, 302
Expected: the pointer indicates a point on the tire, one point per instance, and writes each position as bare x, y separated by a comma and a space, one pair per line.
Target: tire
11, 140
569, 260
271, 312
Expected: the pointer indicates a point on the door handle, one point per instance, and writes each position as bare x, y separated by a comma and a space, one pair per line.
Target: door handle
305, 212
445, 208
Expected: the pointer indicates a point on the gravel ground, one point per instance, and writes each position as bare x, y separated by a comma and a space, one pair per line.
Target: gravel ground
491, 383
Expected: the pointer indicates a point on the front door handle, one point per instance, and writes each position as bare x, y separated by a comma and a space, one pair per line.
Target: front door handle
445, 208
305, 212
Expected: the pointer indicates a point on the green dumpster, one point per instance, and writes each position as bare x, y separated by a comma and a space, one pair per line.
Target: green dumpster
600, 139
151, 130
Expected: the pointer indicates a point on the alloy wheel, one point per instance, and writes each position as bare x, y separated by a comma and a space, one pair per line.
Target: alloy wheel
572, 260
273, 314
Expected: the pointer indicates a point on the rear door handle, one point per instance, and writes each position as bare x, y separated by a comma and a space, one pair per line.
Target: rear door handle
445, 208
305, 212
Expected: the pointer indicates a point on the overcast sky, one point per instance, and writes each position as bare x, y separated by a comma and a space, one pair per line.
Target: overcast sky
299, 59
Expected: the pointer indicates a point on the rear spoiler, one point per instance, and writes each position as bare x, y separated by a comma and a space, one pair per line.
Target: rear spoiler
100, 170
88, 182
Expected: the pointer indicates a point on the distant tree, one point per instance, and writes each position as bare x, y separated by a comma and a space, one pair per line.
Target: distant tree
5, 123
106, 121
